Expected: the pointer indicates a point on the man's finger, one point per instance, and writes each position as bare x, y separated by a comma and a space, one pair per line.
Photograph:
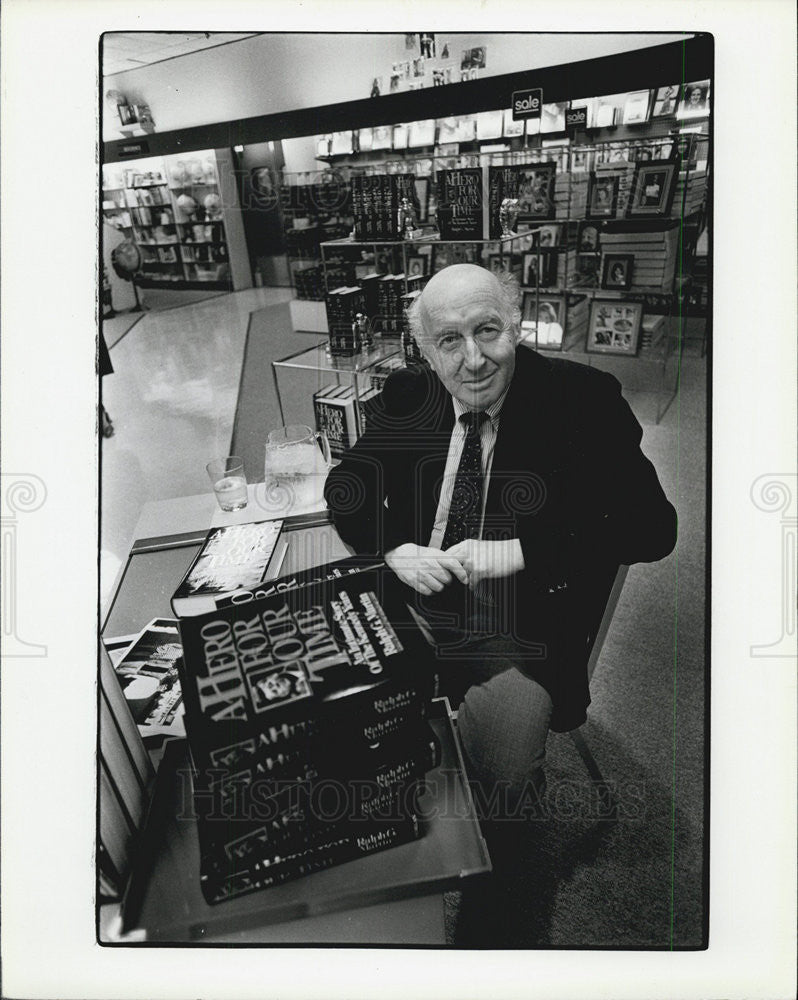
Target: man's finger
439, 572
432, 583
456, 567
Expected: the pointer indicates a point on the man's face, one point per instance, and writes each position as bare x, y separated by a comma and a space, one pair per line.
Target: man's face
467, 339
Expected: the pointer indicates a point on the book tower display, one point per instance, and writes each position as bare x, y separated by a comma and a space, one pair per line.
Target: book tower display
305, 714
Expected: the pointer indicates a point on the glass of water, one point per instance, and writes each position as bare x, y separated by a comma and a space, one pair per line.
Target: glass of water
229, 482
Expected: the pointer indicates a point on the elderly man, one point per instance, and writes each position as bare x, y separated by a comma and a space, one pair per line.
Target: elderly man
503, 489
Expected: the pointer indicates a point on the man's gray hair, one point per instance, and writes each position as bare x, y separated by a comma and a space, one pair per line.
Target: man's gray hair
509, 297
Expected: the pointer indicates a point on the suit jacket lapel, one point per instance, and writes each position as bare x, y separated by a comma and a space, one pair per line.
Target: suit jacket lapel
522, 444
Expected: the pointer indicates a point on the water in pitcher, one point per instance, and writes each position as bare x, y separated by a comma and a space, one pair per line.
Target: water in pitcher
295, 475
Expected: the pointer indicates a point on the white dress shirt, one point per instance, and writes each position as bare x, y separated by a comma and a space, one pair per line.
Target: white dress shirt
487, 439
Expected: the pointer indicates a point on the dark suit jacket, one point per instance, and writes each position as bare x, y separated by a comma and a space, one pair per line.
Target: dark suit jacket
568, 479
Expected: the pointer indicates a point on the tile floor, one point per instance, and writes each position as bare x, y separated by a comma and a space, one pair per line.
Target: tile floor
172, 399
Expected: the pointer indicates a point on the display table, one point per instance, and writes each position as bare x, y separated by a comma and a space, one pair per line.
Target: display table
392, 897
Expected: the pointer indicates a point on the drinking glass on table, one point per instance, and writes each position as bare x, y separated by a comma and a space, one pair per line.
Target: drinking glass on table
229, 482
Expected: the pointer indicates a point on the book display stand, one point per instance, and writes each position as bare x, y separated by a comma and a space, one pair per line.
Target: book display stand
604, 261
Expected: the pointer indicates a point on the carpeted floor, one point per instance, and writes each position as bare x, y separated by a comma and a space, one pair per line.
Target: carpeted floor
573, 879
270, 337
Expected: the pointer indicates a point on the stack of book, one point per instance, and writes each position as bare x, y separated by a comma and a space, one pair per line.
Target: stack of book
390, 289
343, 305
366, 406
375, 204
410, 348
651, 330
334, 409
339, 274
655, 251
305, 716
380, 372
309, 282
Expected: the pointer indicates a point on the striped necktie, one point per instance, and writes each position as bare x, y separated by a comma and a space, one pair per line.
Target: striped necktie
465, 509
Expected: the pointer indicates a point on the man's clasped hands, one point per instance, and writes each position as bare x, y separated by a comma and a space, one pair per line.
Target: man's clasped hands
430, 570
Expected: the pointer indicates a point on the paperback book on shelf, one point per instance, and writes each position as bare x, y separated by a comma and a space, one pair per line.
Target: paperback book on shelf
233, 557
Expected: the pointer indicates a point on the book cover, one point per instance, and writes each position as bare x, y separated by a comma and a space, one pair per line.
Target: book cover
232, 557
335, 649
146, 666
460, 204
335, 416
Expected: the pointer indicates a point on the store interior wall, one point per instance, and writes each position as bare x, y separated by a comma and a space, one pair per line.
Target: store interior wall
275, 72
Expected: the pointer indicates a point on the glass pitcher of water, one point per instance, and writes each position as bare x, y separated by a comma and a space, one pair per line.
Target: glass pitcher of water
297, 462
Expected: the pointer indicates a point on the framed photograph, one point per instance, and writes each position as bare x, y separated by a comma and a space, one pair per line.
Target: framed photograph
417, 265
653, 188
614, 327
536, 191
635, 109
588, 237
543, 320
665, 101
539, 270
602, 196
616, 271
548, 236
500, 263
695, 100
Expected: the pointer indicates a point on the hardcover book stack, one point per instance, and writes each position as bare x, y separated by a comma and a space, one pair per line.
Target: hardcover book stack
366, 406
309, 282
343, 305
380, 372
390, 289
411, 350
339, 275
655, 251
375, 204
305, 715
334, 409
651, 331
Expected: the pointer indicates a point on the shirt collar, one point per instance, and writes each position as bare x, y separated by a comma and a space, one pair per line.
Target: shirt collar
493, 411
